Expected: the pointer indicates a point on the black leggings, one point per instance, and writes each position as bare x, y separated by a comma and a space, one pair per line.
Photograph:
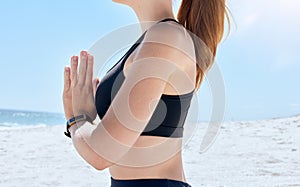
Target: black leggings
148, 183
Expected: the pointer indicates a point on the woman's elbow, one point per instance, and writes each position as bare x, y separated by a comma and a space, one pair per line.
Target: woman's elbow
100, 166
96, 162
90, 156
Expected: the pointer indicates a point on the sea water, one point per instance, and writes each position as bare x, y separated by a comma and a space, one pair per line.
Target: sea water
18, 118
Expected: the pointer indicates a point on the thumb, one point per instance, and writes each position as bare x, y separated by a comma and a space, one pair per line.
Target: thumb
95, 85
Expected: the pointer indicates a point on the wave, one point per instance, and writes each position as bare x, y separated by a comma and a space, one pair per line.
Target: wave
15, 126
12, 118
7, 124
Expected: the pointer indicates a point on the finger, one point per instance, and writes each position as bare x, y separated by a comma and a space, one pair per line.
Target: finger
67, 80
95, 85
82, 68
74, 65
89, 71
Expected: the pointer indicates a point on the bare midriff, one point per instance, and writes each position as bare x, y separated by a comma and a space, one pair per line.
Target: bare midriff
162, 163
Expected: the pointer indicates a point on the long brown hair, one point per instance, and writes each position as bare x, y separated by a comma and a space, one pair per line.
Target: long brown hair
205, 19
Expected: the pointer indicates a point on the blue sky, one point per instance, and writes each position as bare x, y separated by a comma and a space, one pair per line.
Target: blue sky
259, 60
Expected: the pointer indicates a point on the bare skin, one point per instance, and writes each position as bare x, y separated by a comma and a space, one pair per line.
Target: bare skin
78, 99
172, 168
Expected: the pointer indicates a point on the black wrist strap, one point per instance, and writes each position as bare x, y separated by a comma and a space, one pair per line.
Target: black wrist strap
73, 121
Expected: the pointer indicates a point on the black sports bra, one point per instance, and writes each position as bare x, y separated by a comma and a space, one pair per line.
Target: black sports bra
169, 116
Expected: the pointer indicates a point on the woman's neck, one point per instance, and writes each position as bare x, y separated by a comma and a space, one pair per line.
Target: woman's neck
151, 11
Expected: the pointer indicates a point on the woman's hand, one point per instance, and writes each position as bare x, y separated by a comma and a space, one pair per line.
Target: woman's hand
67, 94
79, 88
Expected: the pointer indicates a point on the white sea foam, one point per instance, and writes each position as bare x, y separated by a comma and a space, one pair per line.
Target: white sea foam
13, 126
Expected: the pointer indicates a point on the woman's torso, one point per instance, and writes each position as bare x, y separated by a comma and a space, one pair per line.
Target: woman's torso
171, 163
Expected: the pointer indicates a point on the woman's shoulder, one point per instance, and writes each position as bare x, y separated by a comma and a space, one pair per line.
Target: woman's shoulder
168, 40
167, 45
170, 32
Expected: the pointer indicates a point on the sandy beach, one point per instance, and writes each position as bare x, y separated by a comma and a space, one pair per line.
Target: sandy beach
246, 153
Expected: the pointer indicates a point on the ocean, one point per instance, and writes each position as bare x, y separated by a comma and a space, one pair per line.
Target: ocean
18, 118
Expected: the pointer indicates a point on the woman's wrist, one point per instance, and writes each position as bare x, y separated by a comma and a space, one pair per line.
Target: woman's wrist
68, 117
74, 122
74, 127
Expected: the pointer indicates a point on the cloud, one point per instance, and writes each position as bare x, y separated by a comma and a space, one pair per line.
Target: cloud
290, 9
272, 24
250, 19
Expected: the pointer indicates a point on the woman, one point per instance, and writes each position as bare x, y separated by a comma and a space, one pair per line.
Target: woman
143, 100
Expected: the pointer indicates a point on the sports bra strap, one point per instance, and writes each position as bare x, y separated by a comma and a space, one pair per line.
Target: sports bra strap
168, 19
138, 41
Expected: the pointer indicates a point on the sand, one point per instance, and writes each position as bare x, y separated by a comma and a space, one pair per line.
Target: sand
253, 153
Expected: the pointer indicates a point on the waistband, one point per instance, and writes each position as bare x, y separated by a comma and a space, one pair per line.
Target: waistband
148, 183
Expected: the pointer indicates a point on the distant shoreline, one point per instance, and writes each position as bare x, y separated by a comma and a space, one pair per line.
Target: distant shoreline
229, 120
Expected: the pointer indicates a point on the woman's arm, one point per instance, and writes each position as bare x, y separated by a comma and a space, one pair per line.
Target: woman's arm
86, 151
105, 144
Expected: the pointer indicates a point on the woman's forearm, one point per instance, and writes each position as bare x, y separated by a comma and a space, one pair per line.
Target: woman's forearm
81, 143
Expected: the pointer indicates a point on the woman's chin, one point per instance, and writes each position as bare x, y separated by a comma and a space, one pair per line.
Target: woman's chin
124, 2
